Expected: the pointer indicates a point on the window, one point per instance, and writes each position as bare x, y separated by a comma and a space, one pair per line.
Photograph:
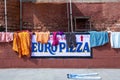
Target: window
82, 23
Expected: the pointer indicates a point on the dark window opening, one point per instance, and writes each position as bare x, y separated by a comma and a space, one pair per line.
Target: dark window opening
82, 23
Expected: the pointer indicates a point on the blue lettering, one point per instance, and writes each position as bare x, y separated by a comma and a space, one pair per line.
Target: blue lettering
79, 44
72, 49
34, 47
48, 48
86, 47
54, 48
40, 47
67, 49
62, 46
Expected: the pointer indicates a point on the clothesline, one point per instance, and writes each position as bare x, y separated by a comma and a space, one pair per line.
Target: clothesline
65, 32
114, 37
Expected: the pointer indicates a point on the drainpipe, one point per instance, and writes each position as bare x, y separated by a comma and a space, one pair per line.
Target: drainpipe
20, 14
71, 17
5, 4
68, 17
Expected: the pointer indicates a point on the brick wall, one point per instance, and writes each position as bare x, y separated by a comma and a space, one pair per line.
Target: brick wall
44, 15
13, 13
103, 57
54, 16
2, 12
50, 16
103, 15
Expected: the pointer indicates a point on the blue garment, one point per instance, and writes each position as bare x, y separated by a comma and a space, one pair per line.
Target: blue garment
115, 39
98, 38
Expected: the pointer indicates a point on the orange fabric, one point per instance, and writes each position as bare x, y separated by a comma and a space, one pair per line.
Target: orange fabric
15, 47
21, 43
42, 37
39, 36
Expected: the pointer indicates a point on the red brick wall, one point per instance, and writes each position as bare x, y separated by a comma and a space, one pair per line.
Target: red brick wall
52, 16
102, 15
13, 13
103, 57
46, 16
2, 12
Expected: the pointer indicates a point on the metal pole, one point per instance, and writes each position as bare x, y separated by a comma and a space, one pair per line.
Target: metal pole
68, 17
5, 3
71, 18
20, 14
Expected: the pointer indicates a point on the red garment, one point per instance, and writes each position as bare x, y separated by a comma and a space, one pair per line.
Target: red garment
55, 39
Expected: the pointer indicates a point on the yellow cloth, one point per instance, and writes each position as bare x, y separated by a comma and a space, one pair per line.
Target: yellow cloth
15, 47
21, 43
42, 37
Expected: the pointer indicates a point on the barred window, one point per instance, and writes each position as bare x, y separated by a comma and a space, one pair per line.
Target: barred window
82, 23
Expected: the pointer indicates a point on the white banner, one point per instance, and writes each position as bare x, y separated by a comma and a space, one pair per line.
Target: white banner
61, 50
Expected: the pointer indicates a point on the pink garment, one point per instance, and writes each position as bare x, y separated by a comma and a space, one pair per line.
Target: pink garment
9, 36
6, 36
2, 37
55, 39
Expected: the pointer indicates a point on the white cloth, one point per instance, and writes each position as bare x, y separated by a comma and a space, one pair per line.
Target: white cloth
115, 39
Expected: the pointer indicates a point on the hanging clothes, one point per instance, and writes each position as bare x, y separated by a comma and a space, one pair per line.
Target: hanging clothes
21, 43
9, 36
98, 38
115, 39
42, 37
6, 36
55, 39
71, 40
2, 37
60, 33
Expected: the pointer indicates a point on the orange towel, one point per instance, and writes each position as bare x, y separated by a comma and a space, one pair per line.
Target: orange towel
42, 37
15, 44
21, 43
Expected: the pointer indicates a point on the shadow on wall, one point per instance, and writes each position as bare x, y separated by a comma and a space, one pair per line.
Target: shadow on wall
50, 16
102, 15
92, 10
53, 16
